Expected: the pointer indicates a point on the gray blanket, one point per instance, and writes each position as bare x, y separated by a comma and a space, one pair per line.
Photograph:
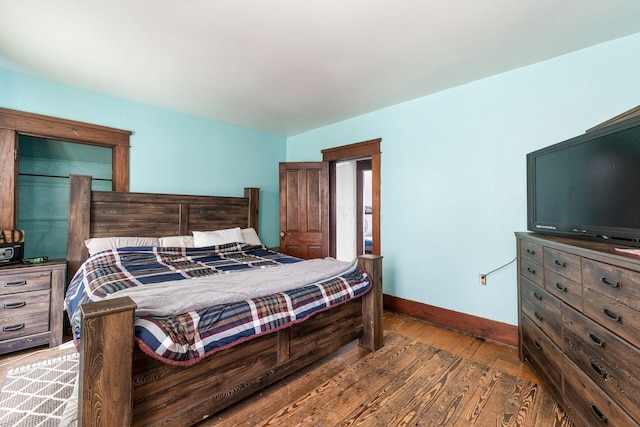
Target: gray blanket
182, 296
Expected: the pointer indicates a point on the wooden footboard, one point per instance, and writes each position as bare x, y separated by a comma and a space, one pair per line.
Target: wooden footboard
120, 385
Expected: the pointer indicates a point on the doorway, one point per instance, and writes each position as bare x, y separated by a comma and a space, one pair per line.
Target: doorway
15, 123
309, 198
353, 215
44, 166
354, 181
364, 183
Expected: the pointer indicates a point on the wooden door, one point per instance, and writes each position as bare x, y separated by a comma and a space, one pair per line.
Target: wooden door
304, 209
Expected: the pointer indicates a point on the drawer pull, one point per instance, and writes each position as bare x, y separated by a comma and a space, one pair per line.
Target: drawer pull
538, 316
561, 288
15, 305
611, 315
598, 341
612, 283
598, 370
537, 344
598, 414
536, 296
18, 283
531, 270
13, 327
559, 263
531, 251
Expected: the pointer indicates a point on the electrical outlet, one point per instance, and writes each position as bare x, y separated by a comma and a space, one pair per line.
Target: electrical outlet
483, 279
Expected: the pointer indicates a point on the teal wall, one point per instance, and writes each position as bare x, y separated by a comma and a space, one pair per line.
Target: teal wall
454, 174
170, 152
43, 189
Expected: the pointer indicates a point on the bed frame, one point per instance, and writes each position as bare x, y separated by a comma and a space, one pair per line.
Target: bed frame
121, 385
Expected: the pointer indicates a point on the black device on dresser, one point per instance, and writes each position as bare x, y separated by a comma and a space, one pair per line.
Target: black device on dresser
588, 186
11, 246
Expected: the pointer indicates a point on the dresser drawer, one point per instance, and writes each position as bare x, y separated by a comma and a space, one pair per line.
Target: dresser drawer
28, 324
565, 289
547, 357
543, 309
613, 314
532, 271
562, 263
24, 303
610, 362
595, 407
614, 282
19, 281
531, 252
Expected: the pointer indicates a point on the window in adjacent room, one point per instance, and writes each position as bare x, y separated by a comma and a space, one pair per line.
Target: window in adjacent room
44, 166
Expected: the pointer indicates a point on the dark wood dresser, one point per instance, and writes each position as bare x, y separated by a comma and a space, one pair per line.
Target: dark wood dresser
579, 325
31, 310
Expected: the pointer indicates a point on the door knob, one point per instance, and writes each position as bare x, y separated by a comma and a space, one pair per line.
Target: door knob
282, 234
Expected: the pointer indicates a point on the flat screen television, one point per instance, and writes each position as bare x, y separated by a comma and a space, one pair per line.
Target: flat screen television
588, 186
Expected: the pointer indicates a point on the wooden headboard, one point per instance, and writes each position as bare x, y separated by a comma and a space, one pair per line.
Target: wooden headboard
114, 213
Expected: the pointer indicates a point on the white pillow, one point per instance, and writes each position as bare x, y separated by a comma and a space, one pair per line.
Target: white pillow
218, 237
99, 244
176, 242
250, 236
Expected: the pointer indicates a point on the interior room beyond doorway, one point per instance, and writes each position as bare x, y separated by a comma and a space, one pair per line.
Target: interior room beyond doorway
354, 226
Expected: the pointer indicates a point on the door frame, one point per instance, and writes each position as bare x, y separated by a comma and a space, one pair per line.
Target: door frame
360, 150
14, 123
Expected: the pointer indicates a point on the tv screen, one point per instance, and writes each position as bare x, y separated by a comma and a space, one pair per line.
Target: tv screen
588, 186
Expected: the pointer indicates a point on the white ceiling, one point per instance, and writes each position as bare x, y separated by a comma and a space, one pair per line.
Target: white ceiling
287, 66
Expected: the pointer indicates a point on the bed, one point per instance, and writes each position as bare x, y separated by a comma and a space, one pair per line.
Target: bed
120, 384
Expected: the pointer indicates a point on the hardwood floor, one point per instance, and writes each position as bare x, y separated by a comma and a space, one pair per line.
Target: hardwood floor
424, 375
24, 357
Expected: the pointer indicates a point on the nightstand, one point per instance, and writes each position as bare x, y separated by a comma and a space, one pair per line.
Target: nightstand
31, 305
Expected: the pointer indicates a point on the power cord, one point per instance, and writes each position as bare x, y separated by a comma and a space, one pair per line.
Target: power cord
501, 267
483, 277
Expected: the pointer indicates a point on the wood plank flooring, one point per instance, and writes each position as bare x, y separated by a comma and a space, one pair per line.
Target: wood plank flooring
424, 375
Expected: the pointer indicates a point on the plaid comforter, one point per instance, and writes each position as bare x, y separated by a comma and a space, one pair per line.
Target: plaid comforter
185, 338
